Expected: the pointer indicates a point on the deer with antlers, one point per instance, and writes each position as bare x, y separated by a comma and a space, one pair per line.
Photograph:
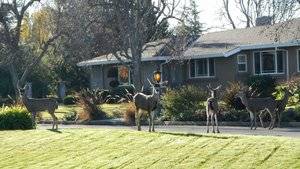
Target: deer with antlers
35, 106
147, 103
256, 106
212, 109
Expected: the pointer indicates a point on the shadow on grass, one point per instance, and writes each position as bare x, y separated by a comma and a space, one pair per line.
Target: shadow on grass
55, 131
199, 135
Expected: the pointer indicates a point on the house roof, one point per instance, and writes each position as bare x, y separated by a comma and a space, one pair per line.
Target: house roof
153, 51
218, 44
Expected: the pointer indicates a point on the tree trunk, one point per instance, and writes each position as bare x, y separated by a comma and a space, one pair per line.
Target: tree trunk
137, 74
15, 81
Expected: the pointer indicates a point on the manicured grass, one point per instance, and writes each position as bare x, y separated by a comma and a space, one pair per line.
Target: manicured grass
108, 148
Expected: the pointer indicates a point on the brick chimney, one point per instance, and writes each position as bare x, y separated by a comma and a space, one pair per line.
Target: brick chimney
263, 21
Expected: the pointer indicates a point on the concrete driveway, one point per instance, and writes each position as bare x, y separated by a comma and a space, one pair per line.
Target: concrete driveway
286, 132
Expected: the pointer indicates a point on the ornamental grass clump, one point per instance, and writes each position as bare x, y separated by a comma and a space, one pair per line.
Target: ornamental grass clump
129, 115
90, 101
15, 118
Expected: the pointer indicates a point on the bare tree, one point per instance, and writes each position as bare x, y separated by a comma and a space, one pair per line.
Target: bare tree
12, 15
227, 13
250, 10
133, 25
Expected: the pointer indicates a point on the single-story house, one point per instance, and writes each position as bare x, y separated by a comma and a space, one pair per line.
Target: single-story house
216, 58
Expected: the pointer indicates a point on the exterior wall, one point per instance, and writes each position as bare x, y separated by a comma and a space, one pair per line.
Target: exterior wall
96, 77
99, 79
226, 69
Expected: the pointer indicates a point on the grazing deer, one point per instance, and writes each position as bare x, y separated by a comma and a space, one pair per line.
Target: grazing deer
147, 103
35, 106
281, 104
256, 106
212, 109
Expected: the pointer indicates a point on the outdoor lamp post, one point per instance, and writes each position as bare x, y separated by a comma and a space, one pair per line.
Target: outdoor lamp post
157, 76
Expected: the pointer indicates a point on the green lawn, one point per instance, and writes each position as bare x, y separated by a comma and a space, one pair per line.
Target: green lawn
107, 148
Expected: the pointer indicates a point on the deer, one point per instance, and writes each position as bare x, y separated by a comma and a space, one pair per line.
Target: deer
146, 103
212, 109
281, 104
35, 106
256, 106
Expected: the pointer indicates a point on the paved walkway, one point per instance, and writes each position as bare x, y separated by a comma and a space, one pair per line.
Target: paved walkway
287, 132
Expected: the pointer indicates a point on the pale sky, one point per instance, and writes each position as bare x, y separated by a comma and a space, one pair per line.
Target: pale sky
210, 14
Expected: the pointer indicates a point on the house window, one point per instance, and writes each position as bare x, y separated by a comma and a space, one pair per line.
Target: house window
202, 68
269, 62
242, 63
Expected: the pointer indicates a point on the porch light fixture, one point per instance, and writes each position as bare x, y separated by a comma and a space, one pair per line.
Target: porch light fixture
157, 76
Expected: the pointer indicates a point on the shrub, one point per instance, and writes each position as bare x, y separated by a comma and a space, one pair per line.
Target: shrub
69, 100
70, 116
291, 115
264, 85
234, 115
183, 103
15, 118
120, 94
129, 115
229, 96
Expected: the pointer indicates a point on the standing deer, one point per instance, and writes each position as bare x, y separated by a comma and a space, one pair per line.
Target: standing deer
257, 106
35, 106
147, 103
281, 104
212, 109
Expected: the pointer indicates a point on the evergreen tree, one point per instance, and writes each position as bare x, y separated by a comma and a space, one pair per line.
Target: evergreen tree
194, 26
190, 24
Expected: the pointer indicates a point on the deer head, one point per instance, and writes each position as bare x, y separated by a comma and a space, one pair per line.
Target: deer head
24, 90
213, 91
154, 92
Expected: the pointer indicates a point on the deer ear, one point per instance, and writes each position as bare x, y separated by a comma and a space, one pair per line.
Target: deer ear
209, 86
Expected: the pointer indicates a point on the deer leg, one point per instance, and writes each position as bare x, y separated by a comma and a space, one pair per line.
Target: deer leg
33, 115
255, 123
138, 122
213, 122
53, 119
207, 123
150, 120
279, 119
261, 115
273, 120
217, 125
152, 116
251, 120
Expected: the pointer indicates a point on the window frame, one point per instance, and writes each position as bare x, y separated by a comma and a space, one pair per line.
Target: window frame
242, 63
196, 66
275, 62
